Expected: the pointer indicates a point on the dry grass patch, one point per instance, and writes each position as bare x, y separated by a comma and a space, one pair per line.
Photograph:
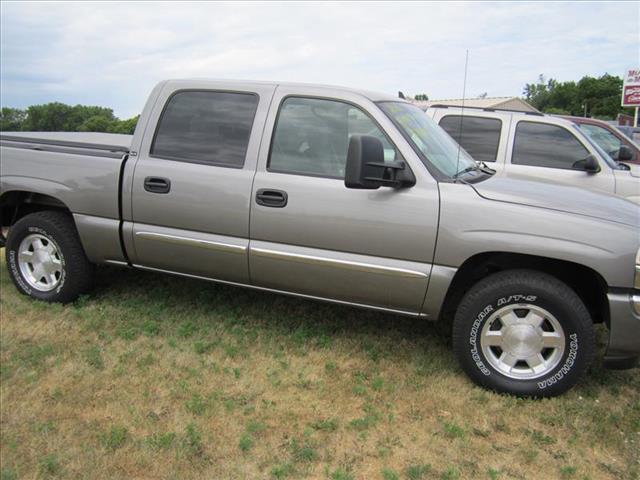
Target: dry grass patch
160, 377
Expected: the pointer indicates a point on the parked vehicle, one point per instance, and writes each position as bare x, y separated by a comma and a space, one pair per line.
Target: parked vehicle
613, 141
333, 194
536, 146
632, 133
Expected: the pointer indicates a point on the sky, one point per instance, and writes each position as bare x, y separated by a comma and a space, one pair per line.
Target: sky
112, 54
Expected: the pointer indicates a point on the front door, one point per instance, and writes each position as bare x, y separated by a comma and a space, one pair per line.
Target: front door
552, 152
192, 181
311, 235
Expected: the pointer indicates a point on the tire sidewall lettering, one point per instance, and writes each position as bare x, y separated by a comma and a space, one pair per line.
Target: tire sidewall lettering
475, 350
473, 339
566, 366
17, 275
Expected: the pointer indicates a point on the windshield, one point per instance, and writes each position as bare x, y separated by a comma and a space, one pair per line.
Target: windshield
603, 154
434, 146
607, 140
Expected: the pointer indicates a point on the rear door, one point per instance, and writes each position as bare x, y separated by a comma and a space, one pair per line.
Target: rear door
192, 181
550, 150
311, 235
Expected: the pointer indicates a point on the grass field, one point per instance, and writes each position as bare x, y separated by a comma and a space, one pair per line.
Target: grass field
154, 376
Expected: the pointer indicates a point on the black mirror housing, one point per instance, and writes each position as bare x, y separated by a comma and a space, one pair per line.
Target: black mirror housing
366, 168
588, 164
624, 154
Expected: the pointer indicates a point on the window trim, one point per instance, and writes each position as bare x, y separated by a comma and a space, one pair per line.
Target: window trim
515, 136
331, 99
202, 162
482, 117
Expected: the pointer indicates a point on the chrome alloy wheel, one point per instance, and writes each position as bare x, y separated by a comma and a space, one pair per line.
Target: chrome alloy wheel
40, 262
523, 341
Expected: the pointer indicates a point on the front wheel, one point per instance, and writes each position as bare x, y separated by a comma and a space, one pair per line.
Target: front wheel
45, 257
523, 332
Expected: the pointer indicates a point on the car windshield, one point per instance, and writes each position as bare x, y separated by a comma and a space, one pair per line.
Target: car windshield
631, 134
604, 138
602, 153
433, 145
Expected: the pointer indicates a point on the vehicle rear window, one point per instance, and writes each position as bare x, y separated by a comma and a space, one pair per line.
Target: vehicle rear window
206, 127
543, 145
479, 136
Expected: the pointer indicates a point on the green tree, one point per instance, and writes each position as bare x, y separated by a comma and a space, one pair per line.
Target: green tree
58, 116
597, 97
97, 123
12, 119
125, 126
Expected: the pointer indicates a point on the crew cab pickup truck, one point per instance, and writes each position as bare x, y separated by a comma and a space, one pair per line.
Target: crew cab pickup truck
537, 146
333, 194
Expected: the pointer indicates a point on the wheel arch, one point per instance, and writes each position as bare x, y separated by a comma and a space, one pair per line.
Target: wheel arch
588, 284
18, 203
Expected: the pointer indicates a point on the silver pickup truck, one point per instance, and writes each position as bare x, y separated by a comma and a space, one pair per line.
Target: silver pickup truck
333, 194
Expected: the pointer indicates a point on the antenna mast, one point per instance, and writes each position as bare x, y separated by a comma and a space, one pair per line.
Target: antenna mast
464, 92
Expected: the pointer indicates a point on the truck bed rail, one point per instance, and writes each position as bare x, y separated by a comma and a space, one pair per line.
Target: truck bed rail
63, 146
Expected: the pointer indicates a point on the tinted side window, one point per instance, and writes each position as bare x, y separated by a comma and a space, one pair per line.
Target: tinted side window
549, 146
206, 127
480, 137
312, 136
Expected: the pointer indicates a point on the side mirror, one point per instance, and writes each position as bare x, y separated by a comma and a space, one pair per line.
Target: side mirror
588, 164
366, 168
624, 154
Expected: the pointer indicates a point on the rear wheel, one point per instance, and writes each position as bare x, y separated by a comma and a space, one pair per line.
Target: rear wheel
523, 332
45, 257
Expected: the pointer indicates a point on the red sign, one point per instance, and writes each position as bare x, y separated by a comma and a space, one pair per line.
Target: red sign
631, 88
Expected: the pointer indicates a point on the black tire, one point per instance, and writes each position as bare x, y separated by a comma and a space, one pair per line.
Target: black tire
76, 274
538, 290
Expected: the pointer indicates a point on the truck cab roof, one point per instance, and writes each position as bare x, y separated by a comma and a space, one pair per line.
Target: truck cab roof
331, 89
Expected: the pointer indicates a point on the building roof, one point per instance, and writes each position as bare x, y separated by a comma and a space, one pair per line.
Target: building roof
503, 103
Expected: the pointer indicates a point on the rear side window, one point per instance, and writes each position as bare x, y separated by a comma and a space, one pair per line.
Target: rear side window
206, 127
480, 137
551, 146
312, 136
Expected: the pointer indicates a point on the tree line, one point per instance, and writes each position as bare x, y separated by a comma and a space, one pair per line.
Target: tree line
594, 97
590, 96
59, 117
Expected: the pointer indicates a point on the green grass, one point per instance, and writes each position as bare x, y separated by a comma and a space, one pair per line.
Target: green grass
115, 438
161, 377
161, 441
417, 472
93, 357
49, 465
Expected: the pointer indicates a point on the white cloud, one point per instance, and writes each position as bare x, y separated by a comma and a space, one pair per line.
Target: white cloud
113, 53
